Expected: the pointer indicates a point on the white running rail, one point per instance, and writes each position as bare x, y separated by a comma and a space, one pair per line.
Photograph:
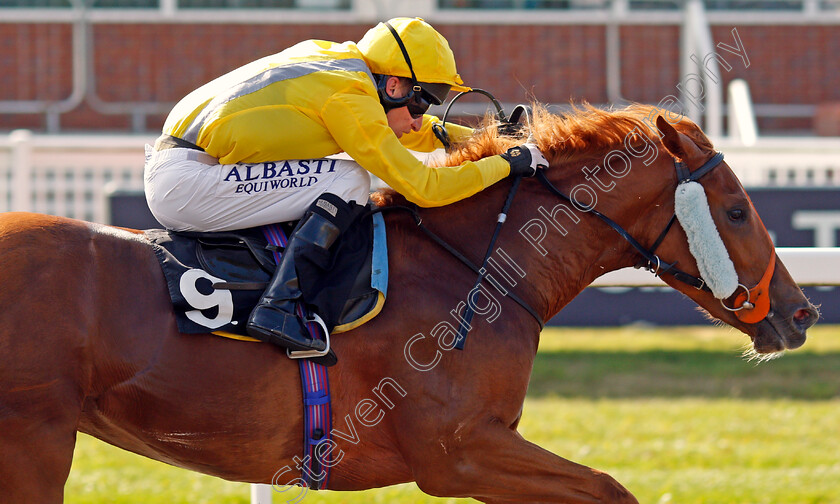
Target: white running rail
809, 266
68, 175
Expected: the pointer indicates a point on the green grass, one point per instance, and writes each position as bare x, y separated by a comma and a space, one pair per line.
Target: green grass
675, 414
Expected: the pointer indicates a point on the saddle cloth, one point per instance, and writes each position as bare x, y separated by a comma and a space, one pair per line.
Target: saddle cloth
216, 279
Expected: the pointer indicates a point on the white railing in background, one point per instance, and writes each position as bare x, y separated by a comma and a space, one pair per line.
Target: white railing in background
261, 494
364, 11
742, 124
699, 91
72, 175
809, 266
68, 175
784, 161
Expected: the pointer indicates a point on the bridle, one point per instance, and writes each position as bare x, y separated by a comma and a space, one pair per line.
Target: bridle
751, 305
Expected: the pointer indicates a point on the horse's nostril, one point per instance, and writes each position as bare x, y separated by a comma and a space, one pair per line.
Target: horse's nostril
805, 317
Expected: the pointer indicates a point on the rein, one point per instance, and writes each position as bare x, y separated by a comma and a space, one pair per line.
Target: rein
464, 327
654, 263
745, 308
480, 271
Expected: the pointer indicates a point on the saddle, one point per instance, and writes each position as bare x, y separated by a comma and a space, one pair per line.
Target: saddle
216, 279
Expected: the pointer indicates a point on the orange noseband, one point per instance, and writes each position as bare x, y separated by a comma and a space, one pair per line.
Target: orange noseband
754, 304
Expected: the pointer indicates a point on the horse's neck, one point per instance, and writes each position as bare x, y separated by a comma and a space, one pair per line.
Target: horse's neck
547, 282
572, 261
590, 248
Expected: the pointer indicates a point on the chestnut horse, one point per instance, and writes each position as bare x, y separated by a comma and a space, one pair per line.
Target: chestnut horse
89, 343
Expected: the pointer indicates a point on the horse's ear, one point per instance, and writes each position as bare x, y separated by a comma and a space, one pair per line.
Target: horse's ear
670, 138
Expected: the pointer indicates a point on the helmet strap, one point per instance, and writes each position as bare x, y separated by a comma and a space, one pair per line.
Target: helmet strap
388, 102
415, 86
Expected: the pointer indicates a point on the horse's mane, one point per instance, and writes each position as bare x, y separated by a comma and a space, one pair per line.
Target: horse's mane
581, 134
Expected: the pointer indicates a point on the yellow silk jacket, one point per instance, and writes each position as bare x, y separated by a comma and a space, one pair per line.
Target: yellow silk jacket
315, 99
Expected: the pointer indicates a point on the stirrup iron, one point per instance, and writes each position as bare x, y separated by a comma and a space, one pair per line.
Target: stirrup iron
306, 354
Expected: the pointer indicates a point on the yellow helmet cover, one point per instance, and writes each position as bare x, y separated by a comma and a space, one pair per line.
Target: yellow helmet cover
430, 54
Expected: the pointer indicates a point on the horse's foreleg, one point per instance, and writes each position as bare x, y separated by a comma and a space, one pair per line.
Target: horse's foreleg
495, 464
36, 450
39, 410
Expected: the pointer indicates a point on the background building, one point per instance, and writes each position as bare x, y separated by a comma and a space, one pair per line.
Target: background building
118, 65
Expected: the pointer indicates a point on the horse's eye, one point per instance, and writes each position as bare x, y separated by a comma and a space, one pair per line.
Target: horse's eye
736, 214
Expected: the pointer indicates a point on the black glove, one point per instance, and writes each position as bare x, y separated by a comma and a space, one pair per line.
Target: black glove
525, 159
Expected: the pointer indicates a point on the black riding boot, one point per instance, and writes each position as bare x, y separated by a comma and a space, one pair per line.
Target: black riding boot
275, 319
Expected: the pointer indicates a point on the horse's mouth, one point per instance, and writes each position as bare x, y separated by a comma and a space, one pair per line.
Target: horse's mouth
777, 333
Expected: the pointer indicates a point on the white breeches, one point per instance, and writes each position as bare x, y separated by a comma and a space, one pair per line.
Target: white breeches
187, 190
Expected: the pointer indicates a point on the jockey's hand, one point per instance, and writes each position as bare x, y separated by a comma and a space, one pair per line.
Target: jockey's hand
525, 160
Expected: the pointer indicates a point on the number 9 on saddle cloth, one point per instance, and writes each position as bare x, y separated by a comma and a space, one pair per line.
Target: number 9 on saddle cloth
216, 279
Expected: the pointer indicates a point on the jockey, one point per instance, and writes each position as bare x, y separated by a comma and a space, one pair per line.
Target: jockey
248, 148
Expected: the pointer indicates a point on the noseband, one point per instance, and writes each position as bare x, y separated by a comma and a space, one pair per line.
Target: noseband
751, 305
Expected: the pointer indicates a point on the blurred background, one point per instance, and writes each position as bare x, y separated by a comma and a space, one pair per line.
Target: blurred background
86, 83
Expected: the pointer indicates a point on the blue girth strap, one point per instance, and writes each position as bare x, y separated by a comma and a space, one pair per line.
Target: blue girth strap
317, 422
315, 385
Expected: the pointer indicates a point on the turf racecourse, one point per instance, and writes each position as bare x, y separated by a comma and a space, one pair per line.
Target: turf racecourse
675, 414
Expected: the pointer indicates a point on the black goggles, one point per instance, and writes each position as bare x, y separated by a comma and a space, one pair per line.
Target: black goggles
418, 104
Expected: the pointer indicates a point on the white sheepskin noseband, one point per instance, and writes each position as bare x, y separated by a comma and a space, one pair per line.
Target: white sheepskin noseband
704, 242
